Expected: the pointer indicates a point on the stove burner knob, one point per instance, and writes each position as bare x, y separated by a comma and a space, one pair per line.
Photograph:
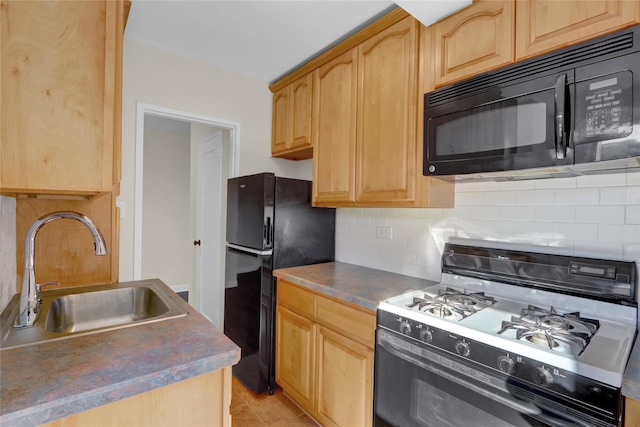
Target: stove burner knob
542, 376
405, 328
463, 348
506, 364
426, 335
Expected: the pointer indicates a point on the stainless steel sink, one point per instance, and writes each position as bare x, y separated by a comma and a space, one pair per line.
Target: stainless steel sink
83, 310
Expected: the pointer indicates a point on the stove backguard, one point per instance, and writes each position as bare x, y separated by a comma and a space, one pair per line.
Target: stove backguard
606, 280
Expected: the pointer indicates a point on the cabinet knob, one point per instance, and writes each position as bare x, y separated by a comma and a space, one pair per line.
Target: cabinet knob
196, 242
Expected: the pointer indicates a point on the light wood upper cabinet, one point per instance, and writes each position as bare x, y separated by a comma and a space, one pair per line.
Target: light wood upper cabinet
546, 25
60, 103
291, 128
386, 118
367, 151
334, 129
476, 39
324, 355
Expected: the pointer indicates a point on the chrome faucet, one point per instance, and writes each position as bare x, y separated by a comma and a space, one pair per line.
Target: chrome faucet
30, 294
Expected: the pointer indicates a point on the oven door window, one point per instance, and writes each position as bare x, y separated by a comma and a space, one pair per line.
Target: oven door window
416, 391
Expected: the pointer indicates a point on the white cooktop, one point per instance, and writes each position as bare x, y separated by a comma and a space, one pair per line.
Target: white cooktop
604, 359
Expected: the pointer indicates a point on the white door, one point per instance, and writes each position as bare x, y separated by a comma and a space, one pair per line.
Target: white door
210, 230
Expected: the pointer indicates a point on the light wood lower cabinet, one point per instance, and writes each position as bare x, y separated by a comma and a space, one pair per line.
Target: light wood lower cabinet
324, 356
199, 401
632, 413
295, 337
344, 381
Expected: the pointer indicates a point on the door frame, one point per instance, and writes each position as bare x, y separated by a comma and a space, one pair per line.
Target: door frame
170, 113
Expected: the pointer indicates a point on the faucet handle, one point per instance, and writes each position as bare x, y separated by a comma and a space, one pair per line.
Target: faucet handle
40, 285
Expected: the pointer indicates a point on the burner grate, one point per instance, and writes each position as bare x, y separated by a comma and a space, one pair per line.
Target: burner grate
548, 328
451, 303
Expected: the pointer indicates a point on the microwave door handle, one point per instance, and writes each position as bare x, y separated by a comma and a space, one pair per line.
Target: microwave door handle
561, 146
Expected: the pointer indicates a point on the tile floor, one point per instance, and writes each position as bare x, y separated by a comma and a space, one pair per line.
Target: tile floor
249, 409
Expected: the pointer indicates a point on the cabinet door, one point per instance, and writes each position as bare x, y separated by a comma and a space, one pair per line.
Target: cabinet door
295, 357
301, 102
546, 25
280, 129
334, 129
345, 376
386, 139
291, 126
474, 40
59, 76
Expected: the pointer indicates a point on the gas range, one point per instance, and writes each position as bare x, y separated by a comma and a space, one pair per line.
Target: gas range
536, 327
596, 347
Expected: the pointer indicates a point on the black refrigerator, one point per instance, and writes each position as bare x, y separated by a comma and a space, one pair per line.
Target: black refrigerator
270, 224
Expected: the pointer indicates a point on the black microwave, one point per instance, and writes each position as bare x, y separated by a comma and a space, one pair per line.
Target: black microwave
571, 112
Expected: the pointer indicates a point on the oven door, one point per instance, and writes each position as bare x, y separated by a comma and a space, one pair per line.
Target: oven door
419, 386
521, 126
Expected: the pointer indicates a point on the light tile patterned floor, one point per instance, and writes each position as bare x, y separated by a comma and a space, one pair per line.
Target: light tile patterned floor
249, 409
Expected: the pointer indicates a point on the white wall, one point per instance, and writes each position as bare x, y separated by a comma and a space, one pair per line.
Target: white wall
593, 216
7, 250
167, 251
161, 78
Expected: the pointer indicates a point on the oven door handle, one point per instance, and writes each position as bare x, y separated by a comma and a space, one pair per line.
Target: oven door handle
522, 408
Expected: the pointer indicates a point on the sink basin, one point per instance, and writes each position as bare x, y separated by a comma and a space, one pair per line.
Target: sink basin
83, 310
101, 309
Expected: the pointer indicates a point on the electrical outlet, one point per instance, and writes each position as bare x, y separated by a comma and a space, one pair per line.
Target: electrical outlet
384, 232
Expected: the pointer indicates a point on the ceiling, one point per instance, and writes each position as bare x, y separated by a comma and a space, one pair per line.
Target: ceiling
263, 39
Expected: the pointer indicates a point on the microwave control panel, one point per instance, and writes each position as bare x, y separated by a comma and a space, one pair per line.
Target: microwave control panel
606, 105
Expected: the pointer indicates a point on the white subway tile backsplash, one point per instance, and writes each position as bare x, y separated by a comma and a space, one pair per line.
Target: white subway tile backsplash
592, 249
500, 229
469, 199
430, 213
575, 231
557, 183
632, 215
592, 216
577, 196
616, 233
601, 214
528, 184
500, 198
516, 213
7, 250
484, 212
613, 196
611, 180
633, 178
535, 197
555, 213
633, 195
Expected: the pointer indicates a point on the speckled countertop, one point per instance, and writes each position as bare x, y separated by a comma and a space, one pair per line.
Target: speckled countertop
631, 379
44, 382
359, 285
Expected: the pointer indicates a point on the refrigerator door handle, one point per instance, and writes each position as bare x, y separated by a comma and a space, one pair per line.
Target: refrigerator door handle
268, 231
249, 250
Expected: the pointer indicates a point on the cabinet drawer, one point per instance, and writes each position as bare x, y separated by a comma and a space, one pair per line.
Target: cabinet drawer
296, 299
350, 322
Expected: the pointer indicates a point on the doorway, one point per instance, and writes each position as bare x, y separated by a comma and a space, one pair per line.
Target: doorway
182, 163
